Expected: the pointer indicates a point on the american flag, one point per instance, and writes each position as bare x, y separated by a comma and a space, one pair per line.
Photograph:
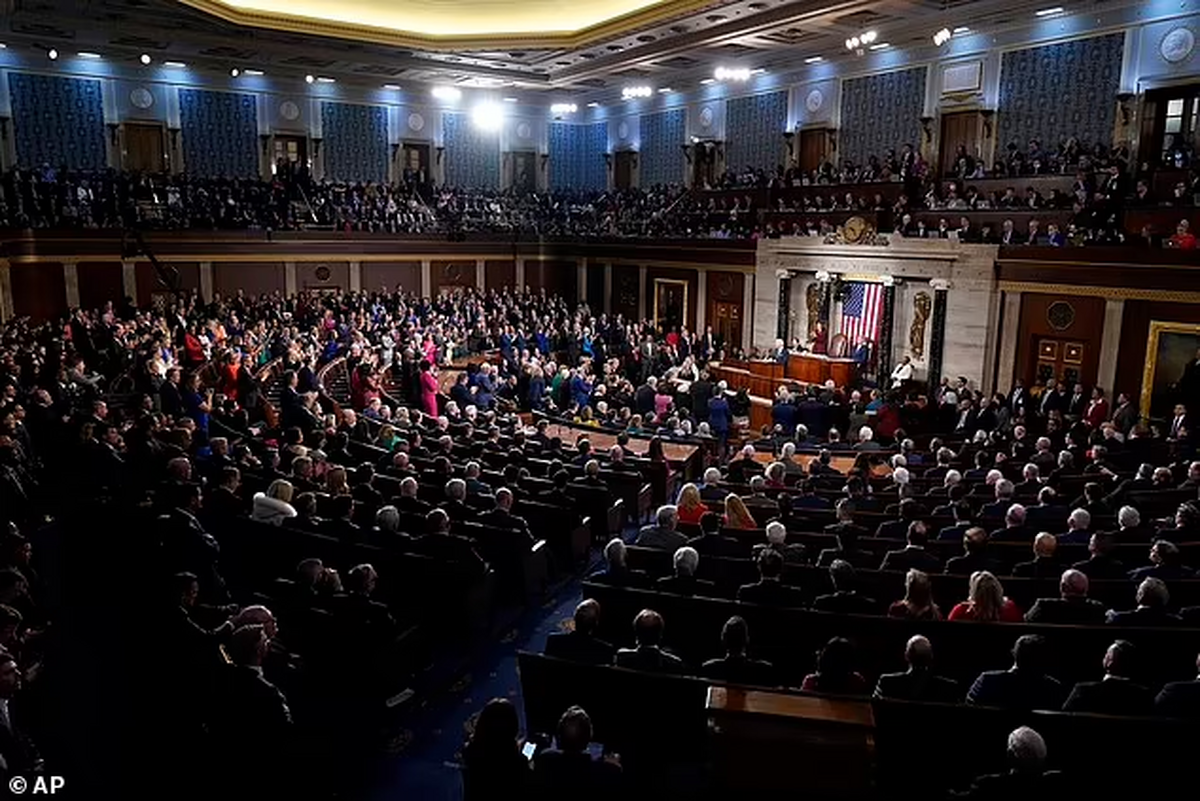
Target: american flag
862, 310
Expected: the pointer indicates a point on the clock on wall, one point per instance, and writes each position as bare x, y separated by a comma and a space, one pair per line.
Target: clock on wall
289, 110
814, 101
141, 98
415, 122
1177, 45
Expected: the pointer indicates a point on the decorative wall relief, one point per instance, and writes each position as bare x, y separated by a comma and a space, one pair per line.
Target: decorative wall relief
922, 306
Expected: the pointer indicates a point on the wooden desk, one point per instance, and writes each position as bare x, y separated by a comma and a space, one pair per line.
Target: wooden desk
815, 368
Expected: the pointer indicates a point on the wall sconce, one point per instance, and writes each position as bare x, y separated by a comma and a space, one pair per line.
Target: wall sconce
545, 159
608, 161
395, 150
113, 132
317, 146
440, 151
927, 129
687, 153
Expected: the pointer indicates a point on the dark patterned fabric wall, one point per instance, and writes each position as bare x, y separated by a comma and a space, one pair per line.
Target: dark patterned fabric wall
881, 113
472, 157
756, 125
577, 156
1060, 90
57, 121
356, 142
661, 160
220, 133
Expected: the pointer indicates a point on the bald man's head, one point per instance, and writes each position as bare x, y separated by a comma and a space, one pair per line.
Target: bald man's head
918, 653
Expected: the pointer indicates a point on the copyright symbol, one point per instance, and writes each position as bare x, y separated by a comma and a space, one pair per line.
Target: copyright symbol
18, 785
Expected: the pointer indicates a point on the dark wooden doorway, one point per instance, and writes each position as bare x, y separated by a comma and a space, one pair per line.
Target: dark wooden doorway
524, 175
414, 162
623, 169
1170, 127
291, 153
706, 167
959, 128
143, 150
813, 148
727, 323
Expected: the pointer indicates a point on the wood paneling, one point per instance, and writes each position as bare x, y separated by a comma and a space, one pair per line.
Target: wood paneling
323, 275
389, 275
148, 284
556, 277
1085, 329
99, 283
959, 128
143, 147
625, 290
725, 304
254, 278
498, 275
39, 290
451, 274
1135, 329
690, 277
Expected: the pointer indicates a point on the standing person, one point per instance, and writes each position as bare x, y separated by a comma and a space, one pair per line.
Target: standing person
429, 389
720, 417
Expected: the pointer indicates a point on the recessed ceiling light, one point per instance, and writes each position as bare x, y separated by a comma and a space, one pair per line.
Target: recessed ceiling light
3, 46
511, 100
880, 46
593, 104
447, 92
961, 29
174, 64
253, 72
391, 87
233, 73
323, 79
1047, 12
309, 78
707, 81
52, 54
662, 90
86, 54
758, 71
814, 60
145, 58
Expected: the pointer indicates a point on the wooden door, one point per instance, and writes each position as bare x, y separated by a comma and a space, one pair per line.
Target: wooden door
727, 323
812, 148
143, 150
959, 128
1059, 359
414, 161
623, 175
291, 153
524, 177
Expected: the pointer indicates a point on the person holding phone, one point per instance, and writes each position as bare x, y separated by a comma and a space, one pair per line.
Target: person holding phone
571, 769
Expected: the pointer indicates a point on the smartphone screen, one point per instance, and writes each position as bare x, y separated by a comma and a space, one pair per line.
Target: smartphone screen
528, 750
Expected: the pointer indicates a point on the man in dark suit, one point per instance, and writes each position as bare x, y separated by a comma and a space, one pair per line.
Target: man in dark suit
1026, 777
736, 667
502, 517
710, 487
1024, 686
844, 599
975, 554
355, 612
616, 572
770, 590
1072, 608
408, 502
1079, 524
439, 543
918, 683
1165, 563
848, 550
1045, 562
1014, 529
913, 555
581, 643
1101, 564
648, 654
909, 510
962, 521
1004, 499
684, 581
845, 520
662, 534
1153, 601
1116, 693
1180, 699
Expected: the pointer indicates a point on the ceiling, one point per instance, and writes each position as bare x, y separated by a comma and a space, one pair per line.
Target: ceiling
585, 49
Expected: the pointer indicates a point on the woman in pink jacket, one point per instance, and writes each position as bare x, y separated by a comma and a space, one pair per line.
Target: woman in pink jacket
429, 390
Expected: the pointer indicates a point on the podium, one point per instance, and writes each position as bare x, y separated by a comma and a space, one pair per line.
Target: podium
815, 368
769, 744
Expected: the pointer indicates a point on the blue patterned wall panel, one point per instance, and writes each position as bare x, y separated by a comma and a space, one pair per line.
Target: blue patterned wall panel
355, 142
57, 121
661, 158
1060, 90
577, 156
881, 113
755, 126
472, 157
220, 133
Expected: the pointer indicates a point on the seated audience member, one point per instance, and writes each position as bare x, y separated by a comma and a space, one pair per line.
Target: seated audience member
1014, 529
1100, 564
648, 654
1116, 693
909, 510
661, 533
690, 507
711, 490
792, 552
408, 502
844, 598
1186, 526
845, 510
1153, 605
1048, 513
1079, 523
975, 554
616, 572
917, 603
1045, 563
770, 590
1072, 607
918, 682
1023, 686
712, 542
683, 581
568, 770
736, 667
737, 516
1004, 499
1130, 528
847, 549
962, 521
1026, 777
913, 554
274, 506
1165, 563
1180, 699
986, 602
835, 673
493, 765
581, 644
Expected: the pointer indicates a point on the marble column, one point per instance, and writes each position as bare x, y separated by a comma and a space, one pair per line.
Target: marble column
581, 280
642, 292
519, 278
6, 295
937, 339
426, 278
1006, 362
355, 276
129, 279
480, 275
887, 321
785, 304
607, 288
289, 278
749, 312
206, 281
701, 301
71, 280
1110, 342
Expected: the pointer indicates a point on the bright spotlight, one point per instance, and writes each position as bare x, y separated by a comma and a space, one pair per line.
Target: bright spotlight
145, 58
447, 93
488, 116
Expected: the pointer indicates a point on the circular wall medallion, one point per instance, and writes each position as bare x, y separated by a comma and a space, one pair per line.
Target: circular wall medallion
415, 122
1060, 315
1177, 45
706, 117
623, 131
289, 110
523, 130
322, 272
814, 100
141, 98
